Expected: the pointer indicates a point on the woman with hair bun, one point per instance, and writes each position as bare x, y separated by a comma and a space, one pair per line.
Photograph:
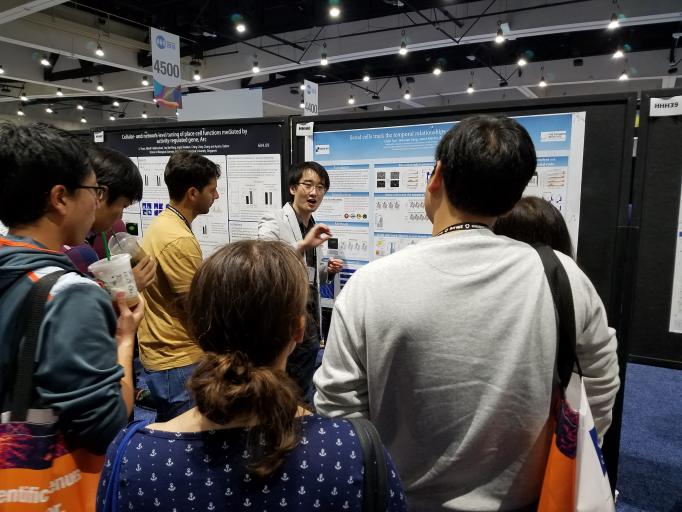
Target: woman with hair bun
247, 445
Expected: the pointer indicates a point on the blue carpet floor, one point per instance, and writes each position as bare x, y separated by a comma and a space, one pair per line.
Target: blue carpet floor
650, 466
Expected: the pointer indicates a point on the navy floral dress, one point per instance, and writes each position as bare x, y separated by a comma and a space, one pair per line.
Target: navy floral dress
202, 471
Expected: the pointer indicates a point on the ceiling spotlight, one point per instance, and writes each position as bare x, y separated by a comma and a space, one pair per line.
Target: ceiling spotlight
521, 62
365, 78
83, 120
407, 94
499, 36
45, 61
614, 23
334, 11
302, 104
323, 59
145, 82
100, 86
20, 113
79, 106
59, 92
470, 89
116, 104
22, 96
351, 100
154, 100
542, 82
240, 27
144, 114
624, 75
437, 71
618, 54
197, 76
403, 48
302, 87
99, 52
49, 110
255, 68
2, 71
111, 117
177, 113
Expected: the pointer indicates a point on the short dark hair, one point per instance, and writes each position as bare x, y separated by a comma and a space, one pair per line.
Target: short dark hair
117, 172
296, 172
486, 163
33, 159
535, 220
185, 170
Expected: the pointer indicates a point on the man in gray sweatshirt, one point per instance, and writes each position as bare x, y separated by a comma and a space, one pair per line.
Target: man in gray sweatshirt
455, 365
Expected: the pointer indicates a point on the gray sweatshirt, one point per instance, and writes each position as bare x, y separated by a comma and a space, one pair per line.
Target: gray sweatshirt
449, 348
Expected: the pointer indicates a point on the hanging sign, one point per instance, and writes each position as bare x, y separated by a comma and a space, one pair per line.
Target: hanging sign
310, 98
166, 68
661, 107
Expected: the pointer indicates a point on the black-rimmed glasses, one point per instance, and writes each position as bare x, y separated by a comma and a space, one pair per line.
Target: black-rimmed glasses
99, 190
308, 187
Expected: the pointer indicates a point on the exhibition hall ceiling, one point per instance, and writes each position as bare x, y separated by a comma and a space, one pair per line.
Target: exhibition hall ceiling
448, 48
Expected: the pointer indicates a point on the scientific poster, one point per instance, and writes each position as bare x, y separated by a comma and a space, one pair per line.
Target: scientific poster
249, 157
378, 176
676, 302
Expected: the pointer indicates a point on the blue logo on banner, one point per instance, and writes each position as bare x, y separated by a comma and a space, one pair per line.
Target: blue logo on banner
160, 41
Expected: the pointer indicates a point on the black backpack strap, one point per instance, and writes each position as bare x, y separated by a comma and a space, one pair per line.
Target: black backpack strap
563, 300
33, 311
375, 483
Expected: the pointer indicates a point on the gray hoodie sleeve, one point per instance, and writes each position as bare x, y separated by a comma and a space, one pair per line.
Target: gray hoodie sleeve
77, 372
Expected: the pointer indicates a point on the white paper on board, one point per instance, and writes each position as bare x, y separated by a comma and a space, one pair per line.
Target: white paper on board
662, 107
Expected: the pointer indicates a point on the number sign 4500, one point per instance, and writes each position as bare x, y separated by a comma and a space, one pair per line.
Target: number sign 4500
166, 68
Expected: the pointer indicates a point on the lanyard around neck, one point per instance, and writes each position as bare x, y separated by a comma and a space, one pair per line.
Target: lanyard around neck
463, 226
184, 219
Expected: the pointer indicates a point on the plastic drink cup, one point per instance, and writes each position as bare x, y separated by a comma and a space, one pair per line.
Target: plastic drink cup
121, 243
117, 276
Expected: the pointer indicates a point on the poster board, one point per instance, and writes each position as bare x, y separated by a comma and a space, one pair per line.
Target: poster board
656, 311
250, 154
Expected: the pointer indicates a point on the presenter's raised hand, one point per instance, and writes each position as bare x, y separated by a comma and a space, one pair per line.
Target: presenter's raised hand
316, 236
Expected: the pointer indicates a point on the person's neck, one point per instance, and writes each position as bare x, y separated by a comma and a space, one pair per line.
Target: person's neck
303, 218
185, 210
450, 215
44, 232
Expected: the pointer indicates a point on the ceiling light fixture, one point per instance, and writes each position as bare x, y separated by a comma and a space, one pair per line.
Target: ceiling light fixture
22, 96
144, 114
542, 82
334, 11
437, 71
2, 70
407, 94
79, 106
470, 89
521, 62
83, 120
145, 82
302, 87
99, 52
100, 86
59, 92
49, 110
45, 61
116, 104
365, 78
177, 113
618, 54
323, 55
624, 75
614, 23
111, 117
351, 100
499, 36
197, 76
403, 49
255, 68
20, 113
302, 104
240, 27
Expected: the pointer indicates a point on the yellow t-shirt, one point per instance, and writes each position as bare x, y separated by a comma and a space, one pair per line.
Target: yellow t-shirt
163, 338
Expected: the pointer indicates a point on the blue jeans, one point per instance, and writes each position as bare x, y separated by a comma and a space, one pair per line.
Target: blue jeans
169, 392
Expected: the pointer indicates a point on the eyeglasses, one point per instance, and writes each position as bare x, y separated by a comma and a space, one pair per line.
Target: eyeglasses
99, 190
308, 187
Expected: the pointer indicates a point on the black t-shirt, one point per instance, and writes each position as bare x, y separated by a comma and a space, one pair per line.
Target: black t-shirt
312, 329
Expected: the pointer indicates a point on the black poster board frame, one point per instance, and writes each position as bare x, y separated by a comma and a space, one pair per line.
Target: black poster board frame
604, 235
656, 185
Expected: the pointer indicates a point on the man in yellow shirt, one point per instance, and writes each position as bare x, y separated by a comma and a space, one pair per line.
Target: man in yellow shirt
167, 351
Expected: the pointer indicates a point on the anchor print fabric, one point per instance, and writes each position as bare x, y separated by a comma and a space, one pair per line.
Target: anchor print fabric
201, 471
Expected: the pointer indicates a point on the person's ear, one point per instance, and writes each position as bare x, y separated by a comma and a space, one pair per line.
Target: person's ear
192, 194
292, 190
299, 330
58, 199
436, 179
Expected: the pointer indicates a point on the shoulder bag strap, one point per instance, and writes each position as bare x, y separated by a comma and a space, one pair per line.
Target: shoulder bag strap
111, 494
375, 482
560, 286
33, 310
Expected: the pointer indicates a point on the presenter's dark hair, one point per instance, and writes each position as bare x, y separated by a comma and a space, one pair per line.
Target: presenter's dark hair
185, 170
486, 163
245, 306
33, 159
296, 173
535, 220
117, 172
